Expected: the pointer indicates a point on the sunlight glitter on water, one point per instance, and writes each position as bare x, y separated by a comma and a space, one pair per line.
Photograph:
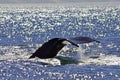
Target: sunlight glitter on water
23, 30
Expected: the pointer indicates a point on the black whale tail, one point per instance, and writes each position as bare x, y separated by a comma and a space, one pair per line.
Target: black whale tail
32, 56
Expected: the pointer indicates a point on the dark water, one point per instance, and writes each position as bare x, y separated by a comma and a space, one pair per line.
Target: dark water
23, 30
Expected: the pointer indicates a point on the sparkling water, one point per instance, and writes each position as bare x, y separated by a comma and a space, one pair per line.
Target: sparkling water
23, 29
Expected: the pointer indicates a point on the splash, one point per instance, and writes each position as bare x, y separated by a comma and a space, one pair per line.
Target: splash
81, 52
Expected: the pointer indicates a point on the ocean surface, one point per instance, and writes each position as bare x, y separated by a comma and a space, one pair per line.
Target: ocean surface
24, 28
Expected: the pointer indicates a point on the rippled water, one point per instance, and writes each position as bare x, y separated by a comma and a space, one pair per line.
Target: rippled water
24, 29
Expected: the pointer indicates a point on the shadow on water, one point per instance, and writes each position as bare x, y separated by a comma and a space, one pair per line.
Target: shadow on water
67, 60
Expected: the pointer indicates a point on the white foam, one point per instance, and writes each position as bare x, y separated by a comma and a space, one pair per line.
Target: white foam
15, 53
102, 60
80, 52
